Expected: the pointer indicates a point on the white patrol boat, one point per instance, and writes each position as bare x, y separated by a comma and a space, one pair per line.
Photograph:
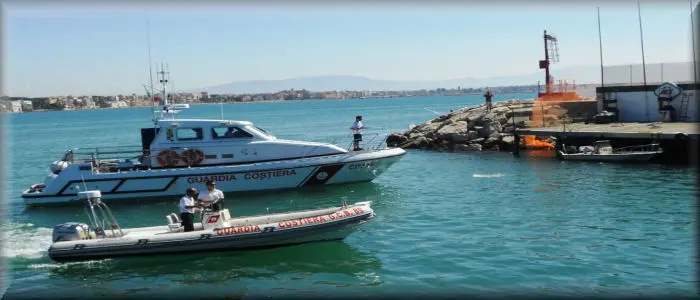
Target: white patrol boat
215, 230
180, 153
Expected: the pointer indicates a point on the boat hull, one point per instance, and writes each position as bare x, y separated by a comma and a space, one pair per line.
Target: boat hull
350, 167
157, 241
622, 157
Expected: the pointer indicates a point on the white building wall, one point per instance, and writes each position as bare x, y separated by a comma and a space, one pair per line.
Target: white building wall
633, 106
16, 106
696, 24
696, 31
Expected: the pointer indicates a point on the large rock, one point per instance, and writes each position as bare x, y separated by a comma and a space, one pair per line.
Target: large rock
508, 139
461, 138
396, 140
466, 129
491, 143
415, 135
501, 110
508, 128
502, 119
446, 132
423, 142
428, 127
490, 129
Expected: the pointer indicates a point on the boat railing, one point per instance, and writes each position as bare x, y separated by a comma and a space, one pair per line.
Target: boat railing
640, 148
377, 141
102, 153
100, 216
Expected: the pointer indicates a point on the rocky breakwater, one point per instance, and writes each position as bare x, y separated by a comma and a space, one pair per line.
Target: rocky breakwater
468, 129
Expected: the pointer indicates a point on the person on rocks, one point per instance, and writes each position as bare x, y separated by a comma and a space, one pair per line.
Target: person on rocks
212, 196
187, 206
356, 128
488, 96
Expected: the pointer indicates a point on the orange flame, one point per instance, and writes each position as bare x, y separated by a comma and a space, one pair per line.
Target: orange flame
531, 142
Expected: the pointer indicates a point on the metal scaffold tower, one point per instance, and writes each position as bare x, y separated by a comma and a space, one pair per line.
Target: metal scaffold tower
551, 56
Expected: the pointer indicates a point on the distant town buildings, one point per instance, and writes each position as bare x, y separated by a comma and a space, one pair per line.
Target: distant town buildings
25, 104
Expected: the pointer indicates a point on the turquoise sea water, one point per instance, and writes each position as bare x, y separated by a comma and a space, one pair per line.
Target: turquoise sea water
446, 223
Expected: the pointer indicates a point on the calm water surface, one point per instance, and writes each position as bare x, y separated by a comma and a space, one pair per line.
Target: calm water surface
446, 222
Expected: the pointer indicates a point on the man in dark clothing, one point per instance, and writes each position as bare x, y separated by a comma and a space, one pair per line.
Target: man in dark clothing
488, 97
187, 205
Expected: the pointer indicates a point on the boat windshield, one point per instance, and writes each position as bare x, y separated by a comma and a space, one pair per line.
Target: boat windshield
262, 130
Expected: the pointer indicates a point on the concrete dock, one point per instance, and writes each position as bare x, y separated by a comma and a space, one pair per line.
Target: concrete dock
617, 130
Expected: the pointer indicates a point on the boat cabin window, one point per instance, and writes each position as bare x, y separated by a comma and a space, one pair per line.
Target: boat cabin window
189, 134
263, 130
229, 132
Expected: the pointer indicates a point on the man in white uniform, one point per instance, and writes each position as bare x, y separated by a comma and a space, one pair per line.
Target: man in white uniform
357, 133
212, 195
187, 206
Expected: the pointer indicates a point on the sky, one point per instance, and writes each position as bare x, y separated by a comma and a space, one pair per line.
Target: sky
78, 48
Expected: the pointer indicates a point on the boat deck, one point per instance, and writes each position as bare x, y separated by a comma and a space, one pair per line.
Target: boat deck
617, 130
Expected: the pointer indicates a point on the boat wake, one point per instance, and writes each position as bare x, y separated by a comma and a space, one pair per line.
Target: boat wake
488, 175
23, 240
89, 263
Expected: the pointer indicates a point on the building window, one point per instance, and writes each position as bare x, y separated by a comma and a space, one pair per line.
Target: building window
229, 133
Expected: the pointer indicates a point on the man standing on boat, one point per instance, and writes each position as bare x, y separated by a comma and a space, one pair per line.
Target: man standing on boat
187, 206
357, 133
212, 195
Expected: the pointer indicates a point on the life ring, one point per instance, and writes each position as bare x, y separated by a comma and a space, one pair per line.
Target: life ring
192, 157
168, 158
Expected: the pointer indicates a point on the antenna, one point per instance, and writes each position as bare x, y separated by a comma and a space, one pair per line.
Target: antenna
644, 65
150, 65
692, 32
164, 83
172, 87
600, 40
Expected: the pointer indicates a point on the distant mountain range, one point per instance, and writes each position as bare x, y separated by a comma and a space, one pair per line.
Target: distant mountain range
585, 74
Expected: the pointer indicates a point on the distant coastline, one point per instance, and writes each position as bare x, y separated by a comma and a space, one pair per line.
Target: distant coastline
67, 103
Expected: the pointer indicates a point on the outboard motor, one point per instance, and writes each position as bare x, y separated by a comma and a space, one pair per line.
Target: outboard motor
70, 231
665, 95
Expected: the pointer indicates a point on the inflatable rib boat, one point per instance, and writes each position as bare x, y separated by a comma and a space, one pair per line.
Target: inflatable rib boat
216, 230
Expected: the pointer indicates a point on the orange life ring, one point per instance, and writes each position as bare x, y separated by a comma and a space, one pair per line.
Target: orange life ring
192, 157
168, 158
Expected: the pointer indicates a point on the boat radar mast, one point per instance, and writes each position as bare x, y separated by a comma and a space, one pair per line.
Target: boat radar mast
167, 110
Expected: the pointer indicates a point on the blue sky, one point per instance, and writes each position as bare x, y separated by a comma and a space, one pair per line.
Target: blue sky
73, 48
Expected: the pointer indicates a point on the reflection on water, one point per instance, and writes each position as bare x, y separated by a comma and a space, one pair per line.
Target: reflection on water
538, 153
